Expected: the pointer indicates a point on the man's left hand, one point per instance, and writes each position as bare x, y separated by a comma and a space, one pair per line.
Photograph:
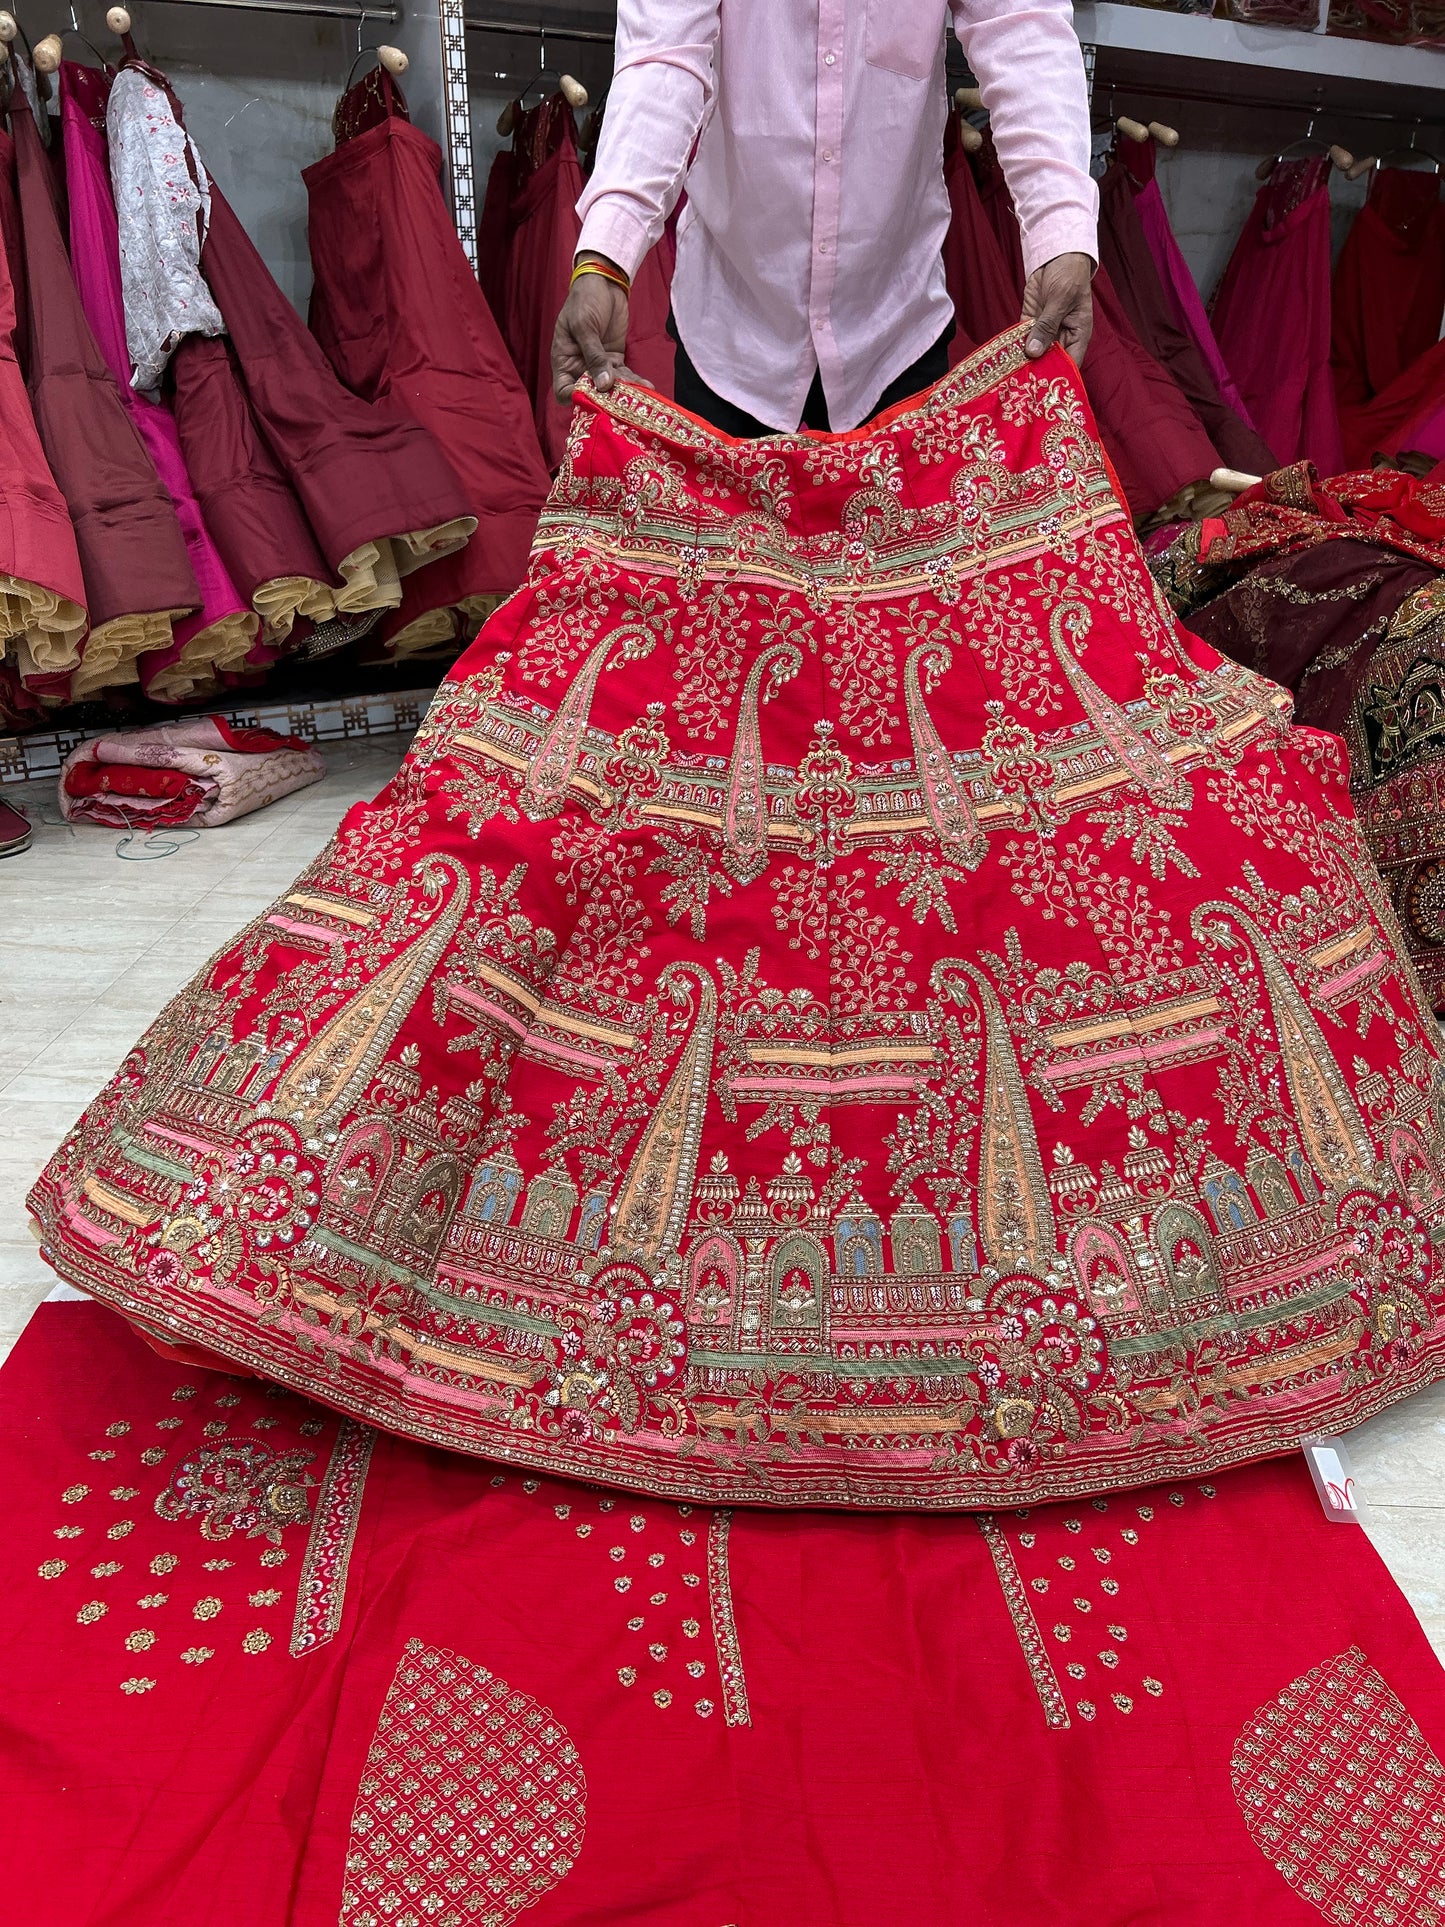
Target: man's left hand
1059, 301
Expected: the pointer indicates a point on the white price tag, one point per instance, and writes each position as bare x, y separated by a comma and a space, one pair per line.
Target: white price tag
1333, 1480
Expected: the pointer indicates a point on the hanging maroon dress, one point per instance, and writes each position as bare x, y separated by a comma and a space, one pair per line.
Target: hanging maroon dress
1151, 434
402, 319
132, 553
494, 237
42, 592
1389, 294
542, 234
1272, 315
980, 281
1124, 252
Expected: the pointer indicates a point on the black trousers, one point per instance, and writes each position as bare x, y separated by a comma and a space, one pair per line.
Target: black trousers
691, 391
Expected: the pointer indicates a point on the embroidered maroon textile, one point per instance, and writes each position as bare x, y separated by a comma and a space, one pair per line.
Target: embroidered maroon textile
1272, 315
281, 1669
132, 553
398, 311
843, 1085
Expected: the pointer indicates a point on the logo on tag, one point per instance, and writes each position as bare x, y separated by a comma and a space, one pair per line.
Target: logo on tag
1333, 1481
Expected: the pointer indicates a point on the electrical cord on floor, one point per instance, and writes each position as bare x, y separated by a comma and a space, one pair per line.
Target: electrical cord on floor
154, 843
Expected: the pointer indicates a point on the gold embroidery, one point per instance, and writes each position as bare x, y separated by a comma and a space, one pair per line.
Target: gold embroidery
472, 1804
1046, 1685
1342, 1792
736, 1711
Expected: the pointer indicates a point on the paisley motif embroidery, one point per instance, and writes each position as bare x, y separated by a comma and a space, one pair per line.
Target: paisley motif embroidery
843, 1003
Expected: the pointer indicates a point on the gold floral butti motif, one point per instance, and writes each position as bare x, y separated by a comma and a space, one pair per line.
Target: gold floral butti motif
1344, 1794
844, 1003
472, 1805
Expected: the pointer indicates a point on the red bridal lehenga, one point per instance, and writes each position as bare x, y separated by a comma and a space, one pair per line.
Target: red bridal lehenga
845, 1003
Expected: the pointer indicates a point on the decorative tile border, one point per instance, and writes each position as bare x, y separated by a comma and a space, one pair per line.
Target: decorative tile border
457, 114
325, 719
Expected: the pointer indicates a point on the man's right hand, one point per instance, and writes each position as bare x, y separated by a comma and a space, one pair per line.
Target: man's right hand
591, 335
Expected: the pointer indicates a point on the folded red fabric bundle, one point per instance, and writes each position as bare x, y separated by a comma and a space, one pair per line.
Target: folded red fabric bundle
277, 1670
203, 770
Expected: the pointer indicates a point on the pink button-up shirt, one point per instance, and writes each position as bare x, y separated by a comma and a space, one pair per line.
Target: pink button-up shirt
816, 209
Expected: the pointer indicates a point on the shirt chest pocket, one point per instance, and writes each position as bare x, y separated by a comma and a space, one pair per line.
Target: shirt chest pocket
904, 36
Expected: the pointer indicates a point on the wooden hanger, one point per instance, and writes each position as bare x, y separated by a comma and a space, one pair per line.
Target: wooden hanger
1340, 157
571, 90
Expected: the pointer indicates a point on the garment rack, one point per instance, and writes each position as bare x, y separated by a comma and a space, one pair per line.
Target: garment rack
531, 29
304, 9
1333, 109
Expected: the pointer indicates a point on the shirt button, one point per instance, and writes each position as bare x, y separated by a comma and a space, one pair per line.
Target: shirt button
827, 153
828, 60
822, 247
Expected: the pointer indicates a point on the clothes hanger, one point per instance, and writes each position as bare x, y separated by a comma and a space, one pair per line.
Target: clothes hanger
391, 60
968, 100
1400, 157
1340, 157
50, 51
571, 90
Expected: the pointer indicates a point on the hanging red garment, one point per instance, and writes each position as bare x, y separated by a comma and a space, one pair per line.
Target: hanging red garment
542, 233
1272, 315
376, 489
42, 612
138, 576
221, 633
1173, 270
651, 350
719, 1098
980, 281
494, 236
1124, 253
399, 313
1389, 289
280, 1668
999, 207
250, 508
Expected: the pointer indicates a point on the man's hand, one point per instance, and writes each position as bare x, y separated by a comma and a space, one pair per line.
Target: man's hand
1059, 302
591, 335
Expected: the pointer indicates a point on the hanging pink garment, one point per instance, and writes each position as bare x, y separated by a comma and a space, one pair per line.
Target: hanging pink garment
1272, 315
220, 634
1174, 271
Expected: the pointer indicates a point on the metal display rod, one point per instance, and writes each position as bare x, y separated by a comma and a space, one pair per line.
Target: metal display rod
530, 29
305, 9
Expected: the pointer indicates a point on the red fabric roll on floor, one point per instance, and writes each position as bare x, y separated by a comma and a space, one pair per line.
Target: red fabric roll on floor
272, 1668
1272, 315
402, 319
132, 553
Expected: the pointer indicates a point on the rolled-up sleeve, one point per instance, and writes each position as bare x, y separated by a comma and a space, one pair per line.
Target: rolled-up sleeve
1030, 71
662, 88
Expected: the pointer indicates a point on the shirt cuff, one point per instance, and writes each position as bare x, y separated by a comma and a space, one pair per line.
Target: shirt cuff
1070, 231
611, 228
